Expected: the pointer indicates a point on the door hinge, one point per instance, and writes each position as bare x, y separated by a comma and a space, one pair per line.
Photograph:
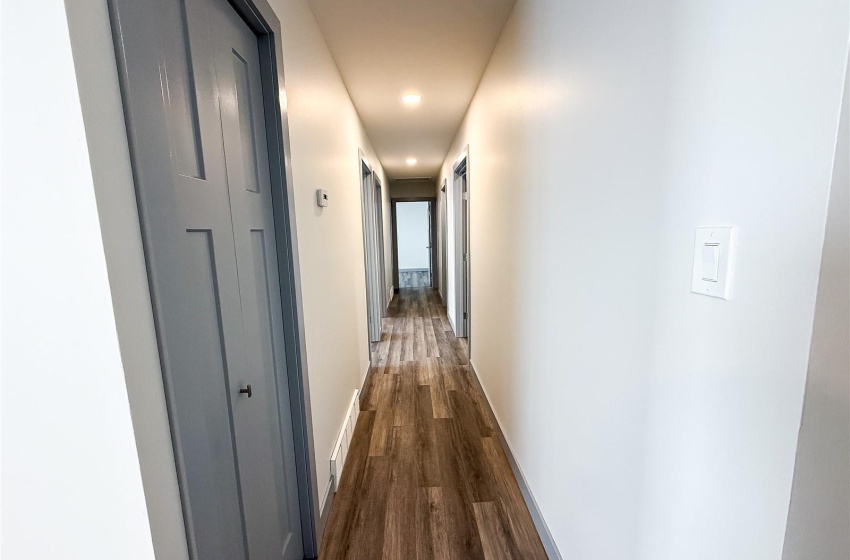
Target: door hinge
465, 315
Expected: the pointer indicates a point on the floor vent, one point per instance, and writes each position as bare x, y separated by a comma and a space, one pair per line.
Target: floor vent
344, 440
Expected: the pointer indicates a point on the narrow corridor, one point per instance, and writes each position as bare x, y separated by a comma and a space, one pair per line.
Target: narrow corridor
426, 475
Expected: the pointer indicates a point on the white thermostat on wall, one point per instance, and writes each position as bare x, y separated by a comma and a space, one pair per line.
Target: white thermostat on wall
714, 254
322, 197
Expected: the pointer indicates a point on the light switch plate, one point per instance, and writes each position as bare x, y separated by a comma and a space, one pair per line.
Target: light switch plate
321, 197
712, 278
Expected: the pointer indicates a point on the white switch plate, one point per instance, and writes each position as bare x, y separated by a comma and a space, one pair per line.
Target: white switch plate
321, 197
711, 242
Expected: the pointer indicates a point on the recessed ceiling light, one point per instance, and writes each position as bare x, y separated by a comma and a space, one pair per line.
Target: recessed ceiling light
411, 161
411, 99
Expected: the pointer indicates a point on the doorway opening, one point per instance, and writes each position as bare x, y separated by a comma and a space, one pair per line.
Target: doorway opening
413, 234
443, 222
414, 230
460, 190
382, 267
373, 242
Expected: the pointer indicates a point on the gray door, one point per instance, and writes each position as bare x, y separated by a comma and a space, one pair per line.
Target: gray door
461, 220
193, 100
430, 248
372, 260
465, 269
379, 221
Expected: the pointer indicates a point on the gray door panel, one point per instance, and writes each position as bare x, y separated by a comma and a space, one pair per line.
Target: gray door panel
430, 250
183, 203
465, 218
271, 517
198, 160
373, 247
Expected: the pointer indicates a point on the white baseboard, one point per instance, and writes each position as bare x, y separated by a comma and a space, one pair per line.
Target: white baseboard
451, 323
340, 450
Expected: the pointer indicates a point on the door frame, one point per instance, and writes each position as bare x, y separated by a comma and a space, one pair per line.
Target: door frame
443, 234
372, 212
432, 256
263, 21
382, 248
463, 268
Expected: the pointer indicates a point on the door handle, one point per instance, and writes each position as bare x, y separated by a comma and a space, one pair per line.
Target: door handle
246, 391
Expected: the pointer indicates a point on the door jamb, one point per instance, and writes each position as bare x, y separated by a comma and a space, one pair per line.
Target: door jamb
443, 234
262, 19
381, 244
369, 214
463, 291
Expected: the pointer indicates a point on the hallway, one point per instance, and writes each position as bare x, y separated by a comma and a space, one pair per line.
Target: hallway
633, 219
426, 476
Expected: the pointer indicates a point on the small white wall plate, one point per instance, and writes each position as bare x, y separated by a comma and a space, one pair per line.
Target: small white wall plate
321, 197
714, 257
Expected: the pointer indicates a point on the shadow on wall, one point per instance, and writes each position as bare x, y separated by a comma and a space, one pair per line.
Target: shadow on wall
819, 516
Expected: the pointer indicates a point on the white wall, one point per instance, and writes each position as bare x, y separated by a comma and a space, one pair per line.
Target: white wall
72, 486
819, 516
412, 229
755, 107
601, 135
325, 134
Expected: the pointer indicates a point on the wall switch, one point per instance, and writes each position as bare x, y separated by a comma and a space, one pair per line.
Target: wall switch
714, 251
710, 261
322, 197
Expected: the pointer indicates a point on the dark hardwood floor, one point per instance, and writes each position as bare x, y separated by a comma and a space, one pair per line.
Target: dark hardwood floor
426, 476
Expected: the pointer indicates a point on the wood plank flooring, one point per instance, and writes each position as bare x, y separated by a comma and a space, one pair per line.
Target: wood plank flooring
426, 476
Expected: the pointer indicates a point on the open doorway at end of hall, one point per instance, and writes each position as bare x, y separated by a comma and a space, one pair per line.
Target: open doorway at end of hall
413, 242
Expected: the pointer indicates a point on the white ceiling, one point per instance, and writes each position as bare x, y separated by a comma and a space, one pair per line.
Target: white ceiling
436, 48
